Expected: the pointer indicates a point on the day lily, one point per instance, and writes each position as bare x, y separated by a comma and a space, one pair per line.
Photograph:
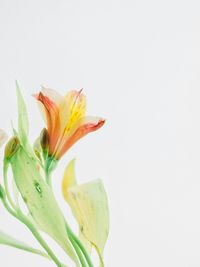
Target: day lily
66, 119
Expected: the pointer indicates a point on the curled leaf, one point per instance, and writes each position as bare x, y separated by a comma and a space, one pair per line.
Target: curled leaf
89, 205
69, 179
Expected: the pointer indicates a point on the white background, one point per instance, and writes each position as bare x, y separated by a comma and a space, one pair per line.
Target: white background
139, 64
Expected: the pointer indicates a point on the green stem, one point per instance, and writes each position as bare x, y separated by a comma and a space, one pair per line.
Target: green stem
5, 177
48, 172
40, 239
50, 164
25, 247
20, 216
11, 242
78, 251
80, 245
48, 178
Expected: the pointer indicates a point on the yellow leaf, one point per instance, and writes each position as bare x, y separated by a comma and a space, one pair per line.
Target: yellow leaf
89, 205
69, 179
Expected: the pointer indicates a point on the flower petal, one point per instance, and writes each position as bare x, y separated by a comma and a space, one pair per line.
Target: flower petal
76, 101
48, 99
89, 124
72, 111
53, 95
51, 111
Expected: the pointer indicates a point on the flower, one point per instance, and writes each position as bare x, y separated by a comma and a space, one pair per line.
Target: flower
66, 119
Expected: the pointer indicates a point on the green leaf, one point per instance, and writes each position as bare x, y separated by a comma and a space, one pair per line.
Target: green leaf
90, 207
12, 242
23, 127
85, 241
40, 199
15, 193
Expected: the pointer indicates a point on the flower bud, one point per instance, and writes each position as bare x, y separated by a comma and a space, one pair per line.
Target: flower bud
44, 139
11, 147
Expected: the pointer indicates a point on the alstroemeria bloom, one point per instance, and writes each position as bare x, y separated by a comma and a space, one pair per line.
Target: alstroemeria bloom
66, 119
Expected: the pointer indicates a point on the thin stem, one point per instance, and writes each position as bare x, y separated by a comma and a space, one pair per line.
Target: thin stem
47, 171
12, 212
48, 178
80, 245
20, 216
5, 177
23, 246
78, 251
40, 239
27, 248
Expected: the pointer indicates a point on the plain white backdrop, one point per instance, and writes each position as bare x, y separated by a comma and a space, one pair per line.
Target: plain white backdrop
139, 65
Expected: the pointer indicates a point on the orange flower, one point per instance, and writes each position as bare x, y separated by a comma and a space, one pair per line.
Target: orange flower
66, 120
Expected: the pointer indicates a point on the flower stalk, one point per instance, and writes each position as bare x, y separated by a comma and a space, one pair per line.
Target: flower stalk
78, 243
32, 173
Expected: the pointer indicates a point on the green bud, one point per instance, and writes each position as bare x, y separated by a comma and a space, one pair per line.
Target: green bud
11, 147
44, 139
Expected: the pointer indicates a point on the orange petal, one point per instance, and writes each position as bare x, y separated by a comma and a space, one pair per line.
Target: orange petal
53, 95
52, 118
71, 114
76, 105
90, 124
